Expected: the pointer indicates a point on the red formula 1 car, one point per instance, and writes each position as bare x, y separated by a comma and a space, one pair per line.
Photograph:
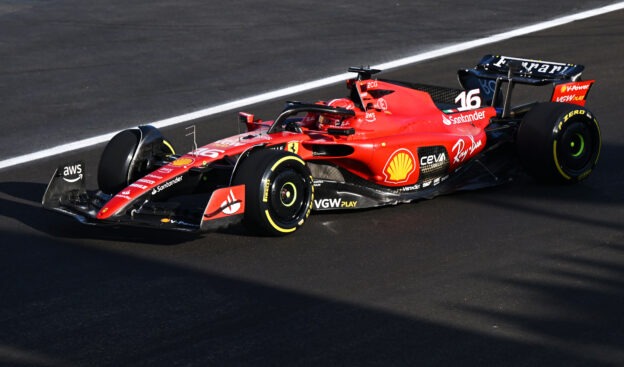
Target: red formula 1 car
386, 142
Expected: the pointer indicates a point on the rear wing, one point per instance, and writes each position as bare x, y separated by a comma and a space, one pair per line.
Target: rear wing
526, 71
493, 70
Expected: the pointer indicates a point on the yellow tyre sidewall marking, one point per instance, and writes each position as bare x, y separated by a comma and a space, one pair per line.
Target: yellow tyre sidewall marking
283, 230
266, 211
168, 145
560, 127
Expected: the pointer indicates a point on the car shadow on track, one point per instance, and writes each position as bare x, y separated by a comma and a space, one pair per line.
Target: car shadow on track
576, 302
65, 304
597, 201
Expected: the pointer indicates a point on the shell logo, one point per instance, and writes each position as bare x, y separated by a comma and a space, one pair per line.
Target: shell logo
182, 162
563, 88
400, 166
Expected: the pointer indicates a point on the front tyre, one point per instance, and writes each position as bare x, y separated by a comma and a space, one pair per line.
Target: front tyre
129, 155
559, 142
115, 161
278, 191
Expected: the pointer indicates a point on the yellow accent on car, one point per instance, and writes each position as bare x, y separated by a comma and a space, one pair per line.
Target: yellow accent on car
557, 162
293, 147
285, 159
400, 167
168, 145
283, 230
182, 162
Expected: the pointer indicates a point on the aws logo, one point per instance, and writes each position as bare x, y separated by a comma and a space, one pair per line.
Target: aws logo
73, 172
400, 166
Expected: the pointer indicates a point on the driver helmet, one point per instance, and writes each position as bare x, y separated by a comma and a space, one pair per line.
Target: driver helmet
328, 119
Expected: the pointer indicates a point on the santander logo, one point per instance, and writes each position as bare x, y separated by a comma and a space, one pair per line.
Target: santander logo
462, 118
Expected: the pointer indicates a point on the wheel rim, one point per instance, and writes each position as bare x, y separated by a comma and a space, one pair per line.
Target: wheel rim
577, 147
289, 194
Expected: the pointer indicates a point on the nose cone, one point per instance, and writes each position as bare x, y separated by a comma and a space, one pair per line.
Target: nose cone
103, 213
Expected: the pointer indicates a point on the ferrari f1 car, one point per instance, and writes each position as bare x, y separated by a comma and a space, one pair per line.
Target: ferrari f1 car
386, 142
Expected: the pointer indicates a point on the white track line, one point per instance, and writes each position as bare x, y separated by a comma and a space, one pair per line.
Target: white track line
459, 47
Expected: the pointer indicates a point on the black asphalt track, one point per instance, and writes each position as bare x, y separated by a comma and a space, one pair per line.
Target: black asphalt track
72, 69
520, 275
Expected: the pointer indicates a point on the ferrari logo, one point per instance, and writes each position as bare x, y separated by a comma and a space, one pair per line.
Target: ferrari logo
293, 147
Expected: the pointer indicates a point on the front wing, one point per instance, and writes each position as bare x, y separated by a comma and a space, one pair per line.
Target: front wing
67, 194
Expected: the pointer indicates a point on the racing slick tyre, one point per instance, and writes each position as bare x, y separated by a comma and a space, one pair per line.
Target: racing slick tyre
115, 161
121, 163
278, 192
559, 142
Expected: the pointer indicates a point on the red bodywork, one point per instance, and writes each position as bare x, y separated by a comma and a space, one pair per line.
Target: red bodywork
389, 142
385, 136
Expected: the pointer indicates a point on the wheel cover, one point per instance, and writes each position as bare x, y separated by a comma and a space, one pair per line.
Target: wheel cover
577, 145
576, 149
289, 195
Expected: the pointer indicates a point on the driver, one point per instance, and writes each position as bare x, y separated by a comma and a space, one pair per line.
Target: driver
328, 120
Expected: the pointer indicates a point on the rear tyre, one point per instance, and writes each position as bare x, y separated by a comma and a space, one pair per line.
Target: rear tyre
278, 192
559, 142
